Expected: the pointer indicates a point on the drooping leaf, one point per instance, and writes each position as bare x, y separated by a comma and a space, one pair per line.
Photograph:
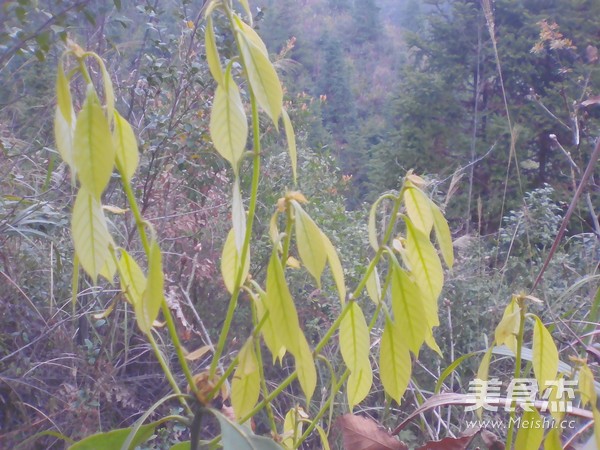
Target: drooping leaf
198, 353
362, 433
231, 262
127, 155
508, 327
552, 440
115, 439
212, 53
452, 443
147, 310
530, 436
133, 281
63, 93
251, 35
246, 7
373, 286
407, 304
91, 238
372, 227
93, 150
355, 349
64, 118
261, 74
586, 387
282, 311
443, 235
545, 354
109, 269
228, 123
245, 386
418, 207
336, 267
269, 328
238, 216
109, 93
238, 437
305, 366
310, 243
394, 362
291, 140
426, 270
323, 436
292, 427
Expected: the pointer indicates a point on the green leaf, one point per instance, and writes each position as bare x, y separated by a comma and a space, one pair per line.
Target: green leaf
531, 431
355, 349
187, 445
246, 7
408, 310
305, 366
237, 437
91, 238
418, 207
251, 35
483, 371
426, 270
336, 267
373, 286
545, 354
109, 269
324, 439
228, 123
238, 216
394, 362
279, 303
64, 135
127, 155
269, 328
261, 73
63, 93
94, 153
585, 383
292, 427
133, 281
231, 262
508, 328
147, 310
212, 53
310, 243
291, 140
114, 439
245, 386
372, 227
552, 440
443, 235
109, 92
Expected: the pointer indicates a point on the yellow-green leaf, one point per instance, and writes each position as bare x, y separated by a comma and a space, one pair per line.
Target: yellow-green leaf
127, 155
238, 215
109, 93
324, 439
305, 366
407, 304
483, 371
291, 140
147, 310
552, 440
355, 349
212, 53
310, 243
261, 74
545, 354
418, 207
279, 303
91, 238
372, 227
394, 362
245, 386
292, 426
426, 270
63, 93
94, 153
587, 391
269, 328
531, 431
133, 281
231, 263
228, 123
64, 135
508, 328
109, 269
252, 35
336, 267
596, 426
246, 7
373, 286
443, 235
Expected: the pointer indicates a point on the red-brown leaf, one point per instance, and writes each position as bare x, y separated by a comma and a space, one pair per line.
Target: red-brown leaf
451, 443
361, 433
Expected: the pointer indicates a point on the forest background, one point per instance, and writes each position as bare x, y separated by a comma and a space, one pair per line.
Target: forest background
501, 129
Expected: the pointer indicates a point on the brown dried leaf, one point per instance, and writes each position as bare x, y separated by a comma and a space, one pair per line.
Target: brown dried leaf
591, 101
492, 441
450, 443
361, 433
